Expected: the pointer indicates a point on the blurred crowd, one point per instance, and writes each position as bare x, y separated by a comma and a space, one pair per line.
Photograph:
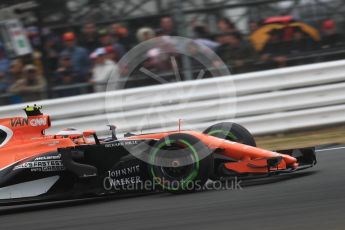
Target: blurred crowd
91, 55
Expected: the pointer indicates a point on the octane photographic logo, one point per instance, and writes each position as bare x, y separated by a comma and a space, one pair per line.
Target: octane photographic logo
170, 103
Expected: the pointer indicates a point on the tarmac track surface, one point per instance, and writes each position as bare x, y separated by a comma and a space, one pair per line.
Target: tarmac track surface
313, 199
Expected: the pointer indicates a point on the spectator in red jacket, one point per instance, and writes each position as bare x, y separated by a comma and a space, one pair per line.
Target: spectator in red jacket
123, 37
330, 35
79, 55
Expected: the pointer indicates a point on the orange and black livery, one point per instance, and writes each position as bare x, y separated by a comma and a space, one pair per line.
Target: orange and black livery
72, 163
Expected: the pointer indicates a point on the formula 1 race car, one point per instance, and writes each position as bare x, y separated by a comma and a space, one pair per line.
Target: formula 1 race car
73, 164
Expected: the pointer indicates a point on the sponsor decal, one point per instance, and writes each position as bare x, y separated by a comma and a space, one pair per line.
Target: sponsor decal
38, 122
118, 184
20, 122
118, 179
43, 164
121, 143
57, 157
124, 172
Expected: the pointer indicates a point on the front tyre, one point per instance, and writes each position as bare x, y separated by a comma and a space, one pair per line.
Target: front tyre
180, 163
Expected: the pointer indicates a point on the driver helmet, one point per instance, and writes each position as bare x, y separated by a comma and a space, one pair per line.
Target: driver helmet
70, 133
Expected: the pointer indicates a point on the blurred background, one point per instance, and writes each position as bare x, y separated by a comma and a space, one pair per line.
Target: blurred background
60, 48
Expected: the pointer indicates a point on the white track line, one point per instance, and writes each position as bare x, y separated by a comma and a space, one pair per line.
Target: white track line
330, 149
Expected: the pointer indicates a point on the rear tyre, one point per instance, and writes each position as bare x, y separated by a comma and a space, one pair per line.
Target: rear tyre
231, 132
180, 163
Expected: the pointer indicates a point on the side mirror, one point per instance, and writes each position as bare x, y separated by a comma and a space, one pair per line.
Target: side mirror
113, 132
92, 133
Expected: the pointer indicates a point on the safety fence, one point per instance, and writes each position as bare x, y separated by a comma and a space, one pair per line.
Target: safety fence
265, 102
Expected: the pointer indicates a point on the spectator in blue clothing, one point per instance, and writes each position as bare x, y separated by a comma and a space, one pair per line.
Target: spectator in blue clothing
4, 84
4, 62
53, 48
79, 56
66, 65
89, 37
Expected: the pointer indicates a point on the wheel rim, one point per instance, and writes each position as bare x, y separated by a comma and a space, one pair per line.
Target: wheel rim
184, 175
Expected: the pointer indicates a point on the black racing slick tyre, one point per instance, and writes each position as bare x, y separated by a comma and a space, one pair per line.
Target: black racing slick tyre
180, 163
232, 132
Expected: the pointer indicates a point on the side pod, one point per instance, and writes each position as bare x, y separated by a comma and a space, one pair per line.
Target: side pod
81, 170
